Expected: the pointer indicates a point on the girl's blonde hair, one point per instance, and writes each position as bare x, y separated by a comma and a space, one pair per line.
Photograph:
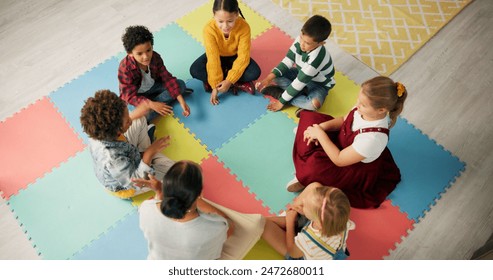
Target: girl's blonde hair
332, 210
383, 92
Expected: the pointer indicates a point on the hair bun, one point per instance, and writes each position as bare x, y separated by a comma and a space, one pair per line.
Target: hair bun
173, 207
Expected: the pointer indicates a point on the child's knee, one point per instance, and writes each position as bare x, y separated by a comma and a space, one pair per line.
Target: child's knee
316, 104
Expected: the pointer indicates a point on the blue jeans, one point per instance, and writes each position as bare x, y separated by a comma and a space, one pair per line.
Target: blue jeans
159, 93
198, 70
312, 91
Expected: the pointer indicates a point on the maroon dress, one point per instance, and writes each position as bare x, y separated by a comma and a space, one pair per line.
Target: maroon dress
365, 184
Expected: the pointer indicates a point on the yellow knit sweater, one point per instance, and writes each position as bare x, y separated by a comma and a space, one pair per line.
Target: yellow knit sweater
216, 45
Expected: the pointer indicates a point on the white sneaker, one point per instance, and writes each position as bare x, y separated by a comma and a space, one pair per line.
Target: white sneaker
294, 186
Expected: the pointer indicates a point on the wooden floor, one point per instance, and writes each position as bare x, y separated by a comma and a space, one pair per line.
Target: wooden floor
45, 44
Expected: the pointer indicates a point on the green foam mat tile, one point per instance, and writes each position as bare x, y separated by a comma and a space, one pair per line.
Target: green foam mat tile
67, 209
260, 156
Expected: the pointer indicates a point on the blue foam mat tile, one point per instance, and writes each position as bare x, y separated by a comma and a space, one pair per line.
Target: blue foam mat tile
70, 98
427, 169
261, 157
171, 38
124, 241
67, 208
215, 125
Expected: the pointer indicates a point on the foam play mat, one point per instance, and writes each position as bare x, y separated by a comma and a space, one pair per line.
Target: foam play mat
243, 149
382, 34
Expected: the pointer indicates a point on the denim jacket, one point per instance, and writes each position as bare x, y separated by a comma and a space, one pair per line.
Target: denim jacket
116, 162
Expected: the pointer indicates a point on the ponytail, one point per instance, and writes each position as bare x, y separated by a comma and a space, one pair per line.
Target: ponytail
401, 93
241, 14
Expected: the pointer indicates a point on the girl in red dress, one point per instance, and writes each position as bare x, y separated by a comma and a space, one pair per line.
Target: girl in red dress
351, 153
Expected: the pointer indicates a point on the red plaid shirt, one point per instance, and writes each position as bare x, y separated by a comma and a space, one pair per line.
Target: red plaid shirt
130, 78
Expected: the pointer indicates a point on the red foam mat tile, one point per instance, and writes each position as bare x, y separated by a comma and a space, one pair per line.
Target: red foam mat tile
377, 231
269, 49
32, 142
221, 187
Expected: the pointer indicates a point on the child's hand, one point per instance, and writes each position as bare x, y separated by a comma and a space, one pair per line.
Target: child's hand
312, 134
297, 206
214, 99
186, 110
265, 82
159, 145
152, 183
161, 108
275, 106
184, 105
224, 86
154, 148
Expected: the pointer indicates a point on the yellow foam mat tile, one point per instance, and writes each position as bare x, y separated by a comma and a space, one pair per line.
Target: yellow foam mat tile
183, 145
203, 14
339, 101
263, 251
382, 34
138, 199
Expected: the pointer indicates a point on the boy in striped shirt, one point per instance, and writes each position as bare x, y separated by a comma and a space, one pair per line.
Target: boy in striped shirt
305, 76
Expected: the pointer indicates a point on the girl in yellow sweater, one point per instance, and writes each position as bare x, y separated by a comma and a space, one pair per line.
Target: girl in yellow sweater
226, 62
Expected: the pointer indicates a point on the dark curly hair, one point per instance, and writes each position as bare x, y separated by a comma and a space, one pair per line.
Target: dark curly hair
102, 115
136, 35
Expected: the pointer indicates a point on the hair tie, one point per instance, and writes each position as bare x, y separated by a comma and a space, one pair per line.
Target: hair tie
400, 89
322, 209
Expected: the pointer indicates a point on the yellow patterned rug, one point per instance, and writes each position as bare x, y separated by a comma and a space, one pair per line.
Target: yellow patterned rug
381, 33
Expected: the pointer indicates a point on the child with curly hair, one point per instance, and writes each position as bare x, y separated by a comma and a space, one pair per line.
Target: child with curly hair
143, 78
119, 144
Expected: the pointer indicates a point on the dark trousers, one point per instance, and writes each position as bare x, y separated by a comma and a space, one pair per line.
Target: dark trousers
198, 70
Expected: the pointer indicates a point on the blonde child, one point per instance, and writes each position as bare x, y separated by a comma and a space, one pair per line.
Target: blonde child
226, 62
323, 237
351, 153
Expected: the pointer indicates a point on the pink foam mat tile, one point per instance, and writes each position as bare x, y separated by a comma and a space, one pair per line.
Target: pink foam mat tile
32, 142
221, 187
269, 49
377, 231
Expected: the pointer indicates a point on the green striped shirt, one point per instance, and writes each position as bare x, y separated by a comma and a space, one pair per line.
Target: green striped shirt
314, 66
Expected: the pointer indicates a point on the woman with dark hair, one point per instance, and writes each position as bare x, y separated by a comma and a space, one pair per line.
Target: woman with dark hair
178, 223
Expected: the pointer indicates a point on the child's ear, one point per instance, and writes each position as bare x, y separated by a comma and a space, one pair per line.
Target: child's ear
382, 111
